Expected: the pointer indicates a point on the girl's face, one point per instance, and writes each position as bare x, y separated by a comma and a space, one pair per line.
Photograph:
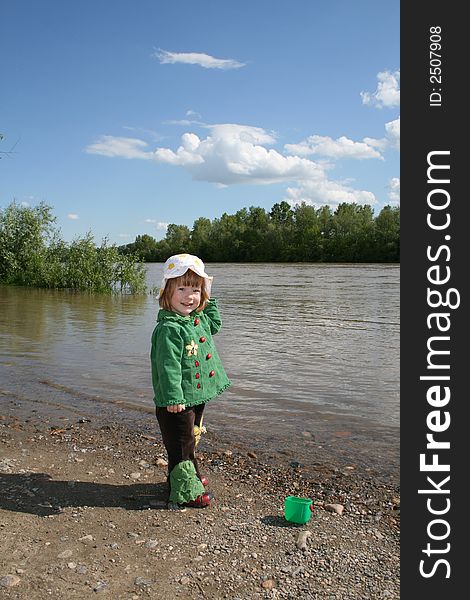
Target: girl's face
185, 299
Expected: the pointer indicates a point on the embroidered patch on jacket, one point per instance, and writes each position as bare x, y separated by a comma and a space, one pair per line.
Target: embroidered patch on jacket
192, 348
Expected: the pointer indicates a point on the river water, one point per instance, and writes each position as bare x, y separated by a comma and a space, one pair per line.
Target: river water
312, 351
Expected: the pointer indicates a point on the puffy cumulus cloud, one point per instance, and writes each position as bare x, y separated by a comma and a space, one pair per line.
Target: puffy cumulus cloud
187, 154
387, 94
235, 154
245, 133
391, 139
197, 58
343, 147
326, 192
73, 216
123, 147
394, 191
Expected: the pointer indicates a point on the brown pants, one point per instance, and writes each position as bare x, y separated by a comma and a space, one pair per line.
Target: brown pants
178, 434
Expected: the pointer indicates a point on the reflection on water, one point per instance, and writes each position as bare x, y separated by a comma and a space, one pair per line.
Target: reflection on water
309, 348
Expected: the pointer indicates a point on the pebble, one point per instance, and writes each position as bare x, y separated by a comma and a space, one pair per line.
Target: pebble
100, 586
9, 581
335, 508
301, 542
142, 582
82, 569
135, 475
236, 549
65, 554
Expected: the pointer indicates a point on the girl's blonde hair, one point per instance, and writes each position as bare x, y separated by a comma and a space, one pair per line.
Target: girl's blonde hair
190, 279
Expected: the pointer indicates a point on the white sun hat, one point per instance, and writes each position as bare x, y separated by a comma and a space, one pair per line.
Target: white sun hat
177, 265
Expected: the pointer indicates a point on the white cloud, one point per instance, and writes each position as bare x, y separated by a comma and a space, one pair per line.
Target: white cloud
235, 154
392, 129
125, 235
394, 191
326, 192
73, 216
150, 133
160, 225
343, 147
183, 122
193, 118
197, 58
387, 93
123, 147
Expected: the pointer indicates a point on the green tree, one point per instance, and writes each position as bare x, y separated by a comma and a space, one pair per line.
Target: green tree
178, 238
227, 242
307, 234
145, 247
387, 231
32, 253
201, 237
24, 235
281, 213
255, 235
352, 230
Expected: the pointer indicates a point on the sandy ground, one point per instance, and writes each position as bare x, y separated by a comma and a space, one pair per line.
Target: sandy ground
83, 514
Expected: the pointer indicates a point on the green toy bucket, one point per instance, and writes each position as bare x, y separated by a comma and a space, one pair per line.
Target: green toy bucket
297, 510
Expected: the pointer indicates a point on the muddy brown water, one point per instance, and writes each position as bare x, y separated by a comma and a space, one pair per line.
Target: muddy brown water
312, 351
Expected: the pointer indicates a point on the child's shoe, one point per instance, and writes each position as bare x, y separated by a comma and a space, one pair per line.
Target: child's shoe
200, 502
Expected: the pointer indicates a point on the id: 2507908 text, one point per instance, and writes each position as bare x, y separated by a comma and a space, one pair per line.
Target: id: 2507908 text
435, 65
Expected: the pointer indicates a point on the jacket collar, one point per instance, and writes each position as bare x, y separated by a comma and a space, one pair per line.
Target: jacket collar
169, 315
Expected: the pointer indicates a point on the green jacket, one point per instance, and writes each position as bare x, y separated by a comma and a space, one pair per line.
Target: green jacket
186, 368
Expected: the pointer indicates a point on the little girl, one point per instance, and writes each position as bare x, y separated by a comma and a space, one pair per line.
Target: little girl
186, 372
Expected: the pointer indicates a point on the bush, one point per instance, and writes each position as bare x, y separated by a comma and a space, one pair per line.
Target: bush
32, 253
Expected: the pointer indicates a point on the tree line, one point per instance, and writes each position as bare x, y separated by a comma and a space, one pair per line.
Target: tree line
301, 233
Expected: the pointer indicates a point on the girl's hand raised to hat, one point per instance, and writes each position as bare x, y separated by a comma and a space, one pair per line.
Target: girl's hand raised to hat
175, 408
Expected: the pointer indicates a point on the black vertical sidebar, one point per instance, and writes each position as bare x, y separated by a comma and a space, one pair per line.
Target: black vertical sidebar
435, 424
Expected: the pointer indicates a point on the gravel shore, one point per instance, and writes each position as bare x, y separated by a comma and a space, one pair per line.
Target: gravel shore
82, 513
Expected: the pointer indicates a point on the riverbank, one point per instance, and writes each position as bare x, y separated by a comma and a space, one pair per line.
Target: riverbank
82, 512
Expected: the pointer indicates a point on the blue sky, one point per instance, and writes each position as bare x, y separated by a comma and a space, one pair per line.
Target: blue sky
126, 116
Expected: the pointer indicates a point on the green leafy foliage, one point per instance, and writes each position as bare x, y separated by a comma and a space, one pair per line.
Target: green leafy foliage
32, 253
285, 234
